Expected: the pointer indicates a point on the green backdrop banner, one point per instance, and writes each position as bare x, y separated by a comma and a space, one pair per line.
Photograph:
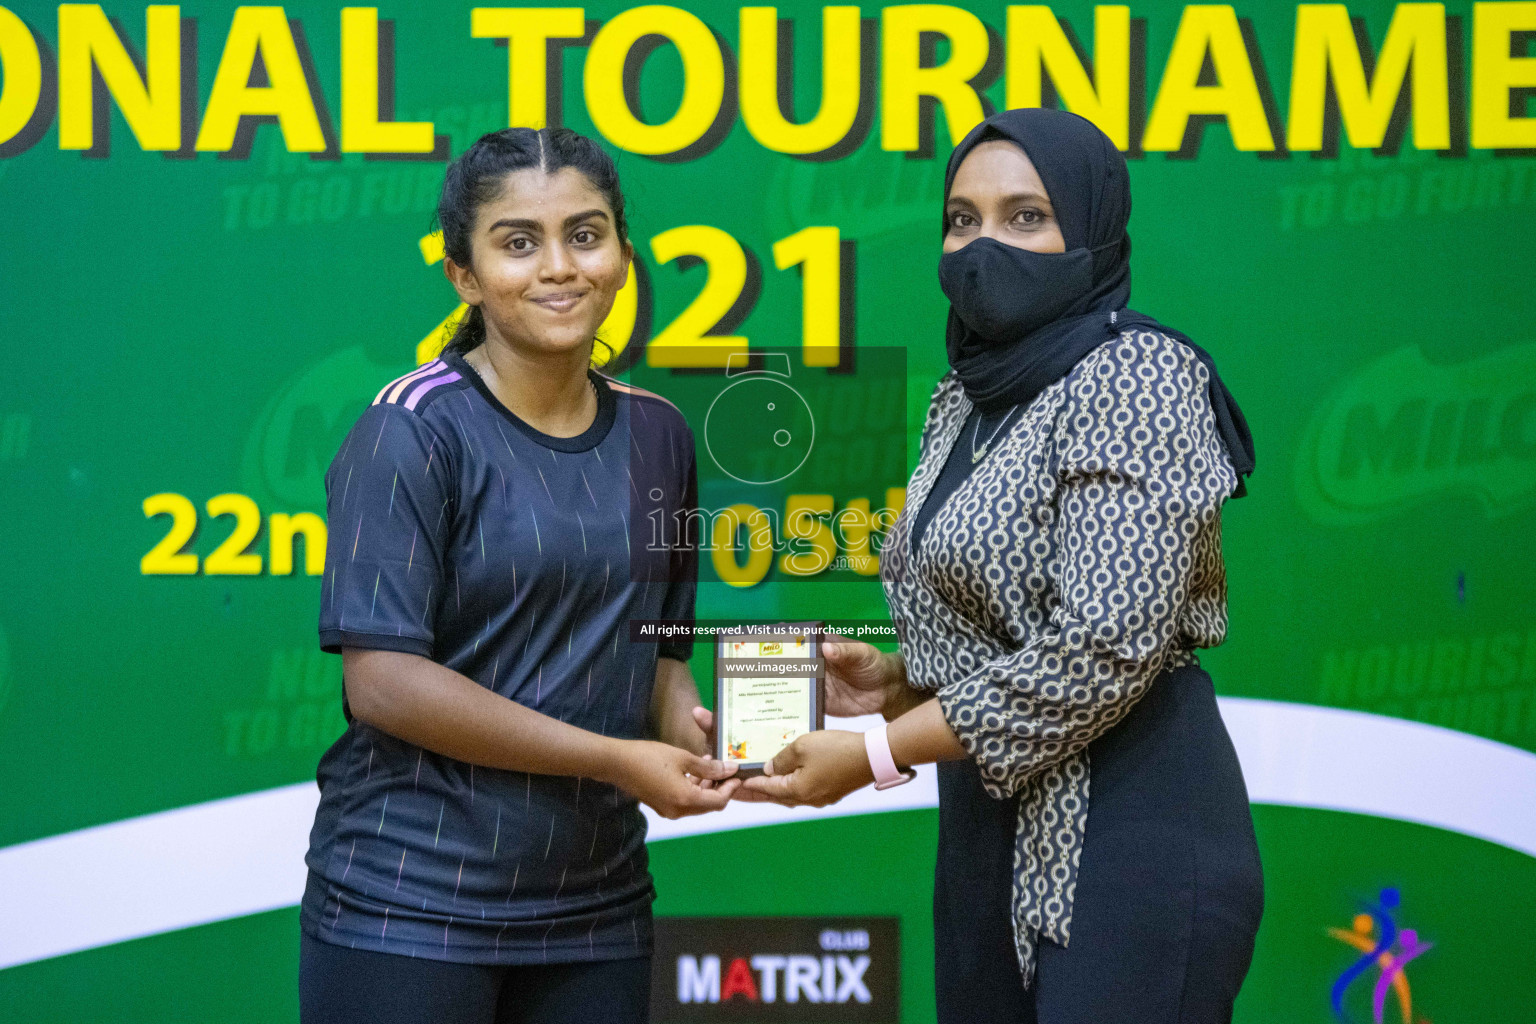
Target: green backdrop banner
217, 245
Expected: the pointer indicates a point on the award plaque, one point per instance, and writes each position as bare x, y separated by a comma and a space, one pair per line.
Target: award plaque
768, 691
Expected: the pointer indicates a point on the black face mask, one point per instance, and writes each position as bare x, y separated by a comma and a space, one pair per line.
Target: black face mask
1004, 293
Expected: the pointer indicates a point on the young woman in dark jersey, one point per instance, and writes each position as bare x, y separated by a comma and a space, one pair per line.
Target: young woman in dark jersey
478, 854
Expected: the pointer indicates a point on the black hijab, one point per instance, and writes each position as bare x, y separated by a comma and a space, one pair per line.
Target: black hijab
1086, 288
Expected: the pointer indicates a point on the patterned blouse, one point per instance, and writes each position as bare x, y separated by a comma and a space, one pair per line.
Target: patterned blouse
1080, 560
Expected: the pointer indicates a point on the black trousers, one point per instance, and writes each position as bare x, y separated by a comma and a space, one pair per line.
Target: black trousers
338, 985
1169, 887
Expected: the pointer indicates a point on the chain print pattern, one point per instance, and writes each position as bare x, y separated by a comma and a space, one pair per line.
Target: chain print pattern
1079, 561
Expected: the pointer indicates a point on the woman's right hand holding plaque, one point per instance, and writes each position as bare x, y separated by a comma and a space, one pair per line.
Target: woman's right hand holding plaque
861, 679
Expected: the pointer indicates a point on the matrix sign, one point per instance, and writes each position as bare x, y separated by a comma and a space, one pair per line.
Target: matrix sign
776, 969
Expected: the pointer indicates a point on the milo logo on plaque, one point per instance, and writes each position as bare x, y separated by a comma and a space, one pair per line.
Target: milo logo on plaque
1403, 430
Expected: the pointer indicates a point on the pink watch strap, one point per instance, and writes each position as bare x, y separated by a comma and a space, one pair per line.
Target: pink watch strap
878, 746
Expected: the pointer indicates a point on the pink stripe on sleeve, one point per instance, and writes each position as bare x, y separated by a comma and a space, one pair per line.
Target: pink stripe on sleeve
427, 385
394, 388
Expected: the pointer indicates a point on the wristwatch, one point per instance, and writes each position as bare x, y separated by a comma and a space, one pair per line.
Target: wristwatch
878, 746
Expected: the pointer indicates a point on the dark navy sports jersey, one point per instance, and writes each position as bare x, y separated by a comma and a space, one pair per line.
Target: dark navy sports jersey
460, 533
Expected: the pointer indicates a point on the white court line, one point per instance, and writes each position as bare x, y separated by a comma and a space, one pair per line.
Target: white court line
1303, 755
243, 855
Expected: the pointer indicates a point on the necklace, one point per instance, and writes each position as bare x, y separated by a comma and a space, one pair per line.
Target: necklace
977, 456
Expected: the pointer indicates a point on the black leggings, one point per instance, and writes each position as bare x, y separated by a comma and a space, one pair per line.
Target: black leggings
338, 985
1169, 888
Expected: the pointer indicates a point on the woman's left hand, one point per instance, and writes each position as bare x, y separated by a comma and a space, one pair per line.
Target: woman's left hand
818, 769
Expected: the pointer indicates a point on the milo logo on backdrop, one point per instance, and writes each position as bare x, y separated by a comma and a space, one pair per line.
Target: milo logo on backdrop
1403, 430
303, 424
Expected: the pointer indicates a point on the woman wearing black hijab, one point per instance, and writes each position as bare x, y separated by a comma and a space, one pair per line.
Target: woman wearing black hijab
1056, 565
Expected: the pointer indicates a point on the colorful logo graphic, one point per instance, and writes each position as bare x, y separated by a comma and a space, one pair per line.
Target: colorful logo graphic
1386, 947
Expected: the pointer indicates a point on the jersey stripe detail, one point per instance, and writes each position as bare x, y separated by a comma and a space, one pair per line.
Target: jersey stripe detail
399, 383
421, 389
630, 389
434, 367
